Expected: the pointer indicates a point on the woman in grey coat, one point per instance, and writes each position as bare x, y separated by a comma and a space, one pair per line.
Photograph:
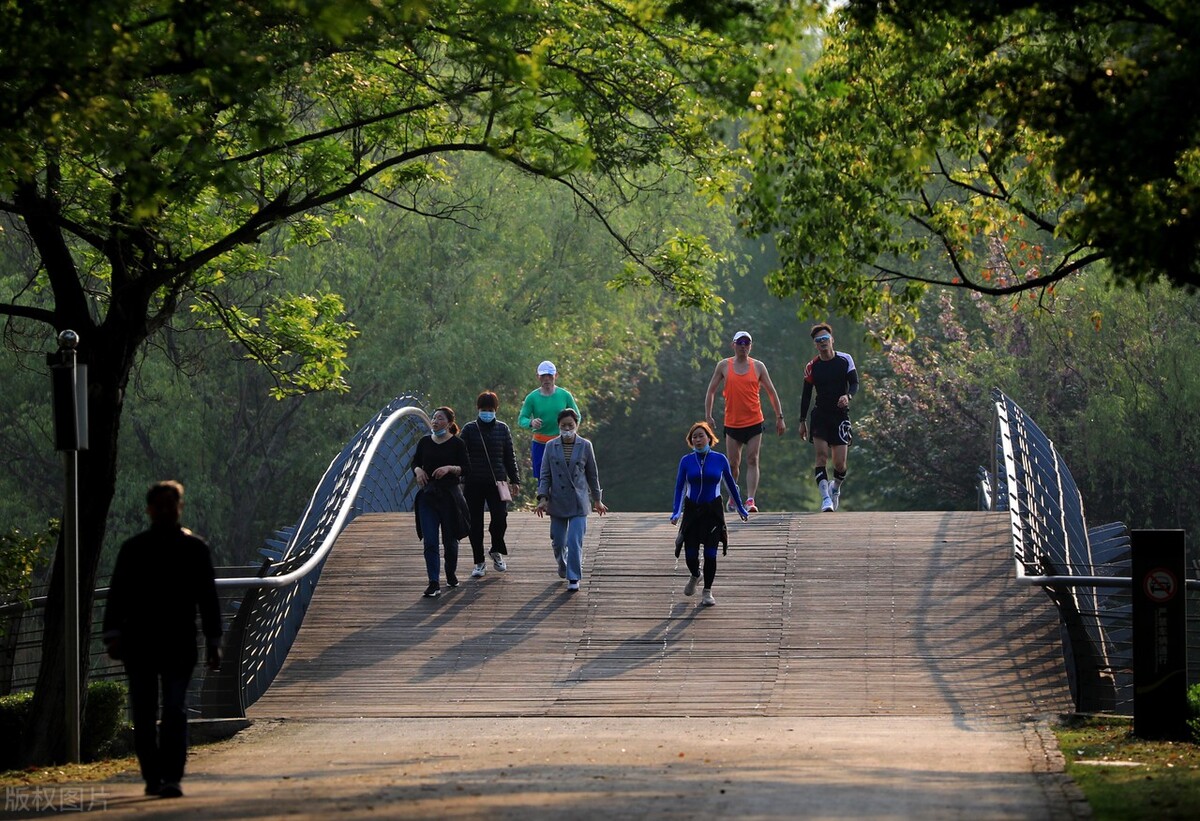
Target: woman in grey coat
569, 475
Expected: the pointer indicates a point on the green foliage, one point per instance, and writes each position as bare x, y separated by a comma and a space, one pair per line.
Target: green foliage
910, 155
21, 557
101, 733
1193, 701
1109, 88
1110, 375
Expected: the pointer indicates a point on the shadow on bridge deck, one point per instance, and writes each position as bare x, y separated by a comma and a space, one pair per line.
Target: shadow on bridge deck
847, 614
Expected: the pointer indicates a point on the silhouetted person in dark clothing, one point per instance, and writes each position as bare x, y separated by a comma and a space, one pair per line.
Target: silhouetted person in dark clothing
162, 578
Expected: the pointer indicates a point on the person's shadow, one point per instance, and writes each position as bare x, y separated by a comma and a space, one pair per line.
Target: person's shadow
653, 645
501, 637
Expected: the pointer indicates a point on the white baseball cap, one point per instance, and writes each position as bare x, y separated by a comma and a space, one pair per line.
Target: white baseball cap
740, 334
547, 367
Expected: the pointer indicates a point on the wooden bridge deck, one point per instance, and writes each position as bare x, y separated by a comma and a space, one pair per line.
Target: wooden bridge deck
846, 614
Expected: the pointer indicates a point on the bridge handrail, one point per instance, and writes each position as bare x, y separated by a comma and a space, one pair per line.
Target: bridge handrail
1053, 548
335, 528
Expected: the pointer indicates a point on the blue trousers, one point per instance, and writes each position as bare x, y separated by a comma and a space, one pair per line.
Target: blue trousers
431, 526
566, 537
536, 449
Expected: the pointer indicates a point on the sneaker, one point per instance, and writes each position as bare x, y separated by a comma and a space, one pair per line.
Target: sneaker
690, 587
170, 790
750, 506
562, 572
573, 585
707, 599
432, 592
479, 570
835, 495
827, 505
730, 506
451, 580
153, 789
498, 561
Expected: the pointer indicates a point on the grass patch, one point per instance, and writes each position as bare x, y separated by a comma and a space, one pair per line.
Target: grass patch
1125, 777
101, 770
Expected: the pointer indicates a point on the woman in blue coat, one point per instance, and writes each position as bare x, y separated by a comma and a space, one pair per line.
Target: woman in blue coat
700, 473
569, 476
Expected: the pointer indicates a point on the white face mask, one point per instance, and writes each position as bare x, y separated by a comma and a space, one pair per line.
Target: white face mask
567, 434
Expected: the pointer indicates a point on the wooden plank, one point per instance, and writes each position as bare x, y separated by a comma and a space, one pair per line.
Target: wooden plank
834, 614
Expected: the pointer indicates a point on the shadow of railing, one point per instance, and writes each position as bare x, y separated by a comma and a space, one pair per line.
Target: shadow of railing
1085, 571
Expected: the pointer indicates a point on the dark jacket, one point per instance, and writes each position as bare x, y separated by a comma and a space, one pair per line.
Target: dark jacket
451, 506
702, 525
494, 440
162, 579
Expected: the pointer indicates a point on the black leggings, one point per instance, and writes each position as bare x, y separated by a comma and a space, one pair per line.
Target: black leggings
691, 554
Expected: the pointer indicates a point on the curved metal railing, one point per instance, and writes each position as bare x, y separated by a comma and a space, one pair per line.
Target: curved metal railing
369, 476
1085, 571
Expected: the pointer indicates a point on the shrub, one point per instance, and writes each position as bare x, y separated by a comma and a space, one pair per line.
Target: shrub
1193, 699
101, 735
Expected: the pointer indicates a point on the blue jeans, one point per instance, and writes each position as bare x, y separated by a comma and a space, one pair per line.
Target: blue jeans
431, 525
566, 536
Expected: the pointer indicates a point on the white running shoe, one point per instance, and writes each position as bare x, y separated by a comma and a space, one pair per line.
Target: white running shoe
835, 495
479, 570
707, 599
827, 505
498, 561
572, 585
690, 587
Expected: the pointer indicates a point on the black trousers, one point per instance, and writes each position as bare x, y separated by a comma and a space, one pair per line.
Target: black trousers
478, 494
161, 746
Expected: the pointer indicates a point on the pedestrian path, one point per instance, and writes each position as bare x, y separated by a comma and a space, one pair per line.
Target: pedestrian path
856, 665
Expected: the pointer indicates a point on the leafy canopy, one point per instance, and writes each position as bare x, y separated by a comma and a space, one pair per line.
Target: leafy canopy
1000, 147
150, 148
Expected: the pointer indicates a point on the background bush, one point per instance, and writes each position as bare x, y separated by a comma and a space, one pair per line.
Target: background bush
104, 721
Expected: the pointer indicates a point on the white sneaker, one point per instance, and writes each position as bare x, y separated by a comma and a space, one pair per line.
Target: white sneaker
707, 599
835, 495
572, 585
498, 561
827, 505
690, 587
479, 570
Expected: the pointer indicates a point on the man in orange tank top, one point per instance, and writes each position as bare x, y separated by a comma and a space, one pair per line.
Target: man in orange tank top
743, 378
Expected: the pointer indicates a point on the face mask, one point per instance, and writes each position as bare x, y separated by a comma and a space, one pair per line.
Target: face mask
487, 416
438, 431
702, 450
568, 434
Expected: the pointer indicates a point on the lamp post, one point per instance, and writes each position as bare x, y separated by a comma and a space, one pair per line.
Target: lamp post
69, 387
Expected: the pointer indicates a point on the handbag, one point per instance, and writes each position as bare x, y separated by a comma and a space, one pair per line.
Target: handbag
501, 484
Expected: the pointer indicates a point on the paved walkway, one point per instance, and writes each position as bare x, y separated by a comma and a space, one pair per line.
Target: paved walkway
694, 768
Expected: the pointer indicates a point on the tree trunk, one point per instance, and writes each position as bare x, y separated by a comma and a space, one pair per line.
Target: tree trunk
108, 373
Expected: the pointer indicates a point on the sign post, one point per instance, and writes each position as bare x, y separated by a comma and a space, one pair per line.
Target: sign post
69, 390
1159, 635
